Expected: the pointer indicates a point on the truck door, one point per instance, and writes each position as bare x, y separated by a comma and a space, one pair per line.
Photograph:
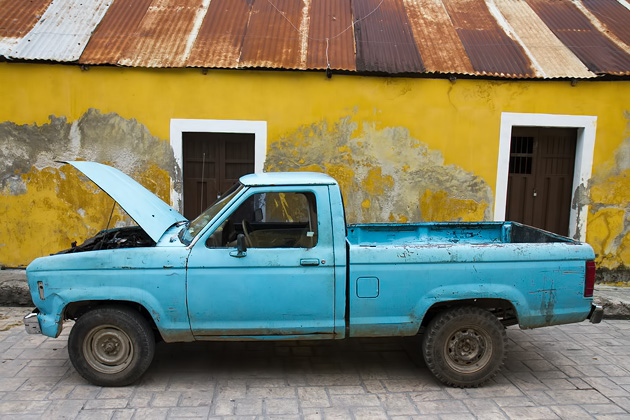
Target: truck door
282, 285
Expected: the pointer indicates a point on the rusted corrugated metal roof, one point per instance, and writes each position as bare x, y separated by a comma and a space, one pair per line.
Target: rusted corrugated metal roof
118, 28
613, 15
384, 38
62, 32
575, 30
437, 40
490, 49
331, 37
17, 18
549, 59
275, 35
499, 38
220, 36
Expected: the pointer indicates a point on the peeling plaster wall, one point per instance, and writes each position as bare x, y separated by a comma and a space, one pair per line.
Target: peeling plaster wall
47, 205
385, 174
403, 149
609, 219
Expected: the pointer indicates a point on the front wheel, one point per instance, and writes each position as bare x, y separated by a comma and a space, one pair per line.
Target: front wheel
464, 346
111, 346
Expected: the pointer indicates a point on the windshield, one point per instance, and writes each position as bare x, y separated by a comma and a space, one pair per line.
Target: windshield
192, 230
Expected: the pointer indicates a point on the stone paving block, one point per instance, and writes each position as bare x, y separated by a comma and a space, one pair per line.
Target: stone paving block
558, 383
140, 399
312, 413
513, 402
428, 396
493, 390
123, 414
525, 413
196, 399
281, 406
272, 392
459, 416
336, 413
347, 400
106, 403
150, 414
579, 396
248, 406
84, 392
23, 407
484, 408
441, 407
607, 387
573, 412
371, 413
610, 408
166, 399
398, 404
187, 412
11, 384
63, 409
107, 393
95, 415
313, 397
410, 385
527, 381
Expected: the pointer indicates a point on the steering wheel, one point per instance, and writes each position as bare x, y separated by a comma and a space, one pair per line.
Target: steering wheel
246, 229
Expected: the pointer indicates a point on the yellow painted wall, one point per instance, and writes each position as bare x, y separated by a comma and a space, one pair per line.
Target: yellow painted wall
403, 149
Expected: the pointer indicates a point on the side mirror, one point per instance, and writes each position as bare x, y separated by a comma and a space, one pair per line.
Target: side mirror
241, 248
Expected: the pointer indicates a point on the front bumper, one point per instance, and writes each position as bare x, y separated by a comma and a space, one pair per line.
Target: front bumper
596, 314
31, 323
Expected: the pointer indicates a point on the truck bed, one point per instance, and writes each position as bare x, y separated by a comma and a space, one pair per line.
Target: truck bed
397, 272
449, 233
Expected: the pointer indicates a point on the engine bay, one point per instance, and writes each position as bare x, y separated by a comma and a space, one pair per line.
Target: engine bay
124, 237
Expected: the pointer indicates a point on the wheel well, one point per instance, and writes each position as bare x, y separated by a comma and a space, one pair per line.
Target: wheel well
75, 309
502, 309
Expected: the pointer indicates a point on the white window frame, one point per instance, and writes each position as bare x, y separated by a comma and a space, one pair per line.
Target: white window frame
586, 127
180, 126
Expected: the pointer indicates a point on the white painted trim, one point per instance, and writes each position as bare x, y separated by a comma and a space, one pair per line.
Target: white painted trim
585, 145
179, 126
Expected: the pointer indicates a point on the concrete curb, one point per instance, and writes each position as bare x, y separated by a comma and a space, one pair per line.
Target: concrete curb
14, 292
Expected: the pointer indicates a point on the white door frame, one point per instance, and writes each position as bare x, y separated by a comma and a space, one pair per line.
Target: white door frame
180, 126
586, 126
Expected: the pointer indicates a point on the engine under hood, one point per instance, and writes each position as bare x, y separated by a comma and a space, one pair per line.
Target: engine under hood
152, 214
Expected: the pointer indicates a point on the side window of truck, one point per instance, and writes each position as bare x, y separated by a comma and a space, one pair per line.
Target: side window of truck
271, 220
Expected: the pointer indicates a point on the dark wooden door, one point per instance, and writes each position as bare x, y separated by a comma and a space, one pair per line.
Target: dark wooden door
540, 178
213, 162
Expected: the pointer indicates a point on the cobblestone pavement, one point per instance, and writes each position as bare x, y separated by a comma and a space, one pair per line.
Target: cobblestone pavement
571, 372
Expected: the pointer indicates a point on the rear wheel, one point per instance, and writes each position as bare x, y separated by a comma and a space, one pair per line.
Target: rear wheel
464, 346
111, 346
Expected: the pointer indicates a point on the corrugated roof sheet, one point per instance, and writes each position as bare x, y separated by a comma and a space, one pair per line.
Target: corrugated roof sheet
62, 32
384, 38
499, 38
331, 37
549, 59
575, 30
17, 18
613, 15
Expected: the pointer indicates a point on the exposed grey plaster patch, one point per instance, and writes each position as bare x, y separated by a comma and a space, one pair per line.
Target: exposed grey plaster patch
126, 144
413, 167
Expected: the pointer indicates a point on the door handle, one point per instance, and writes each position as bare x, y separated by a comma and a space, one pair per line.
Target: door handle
309, 261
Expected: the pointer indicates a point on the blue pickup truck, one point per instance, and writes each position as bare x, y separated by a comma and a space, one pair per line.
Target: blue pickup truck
273, 259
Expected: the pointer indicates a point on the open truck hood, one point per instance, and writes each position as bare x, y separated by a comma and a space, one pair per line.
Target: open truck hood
145, 208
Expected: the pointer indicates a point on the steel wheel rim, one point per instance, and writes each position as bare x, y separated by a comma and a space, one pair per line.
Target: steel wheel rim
468, 350
108, 349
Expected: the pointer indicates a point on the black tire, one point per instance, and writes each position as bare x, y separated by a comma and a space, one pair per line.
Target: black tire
111, 346
464, 346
